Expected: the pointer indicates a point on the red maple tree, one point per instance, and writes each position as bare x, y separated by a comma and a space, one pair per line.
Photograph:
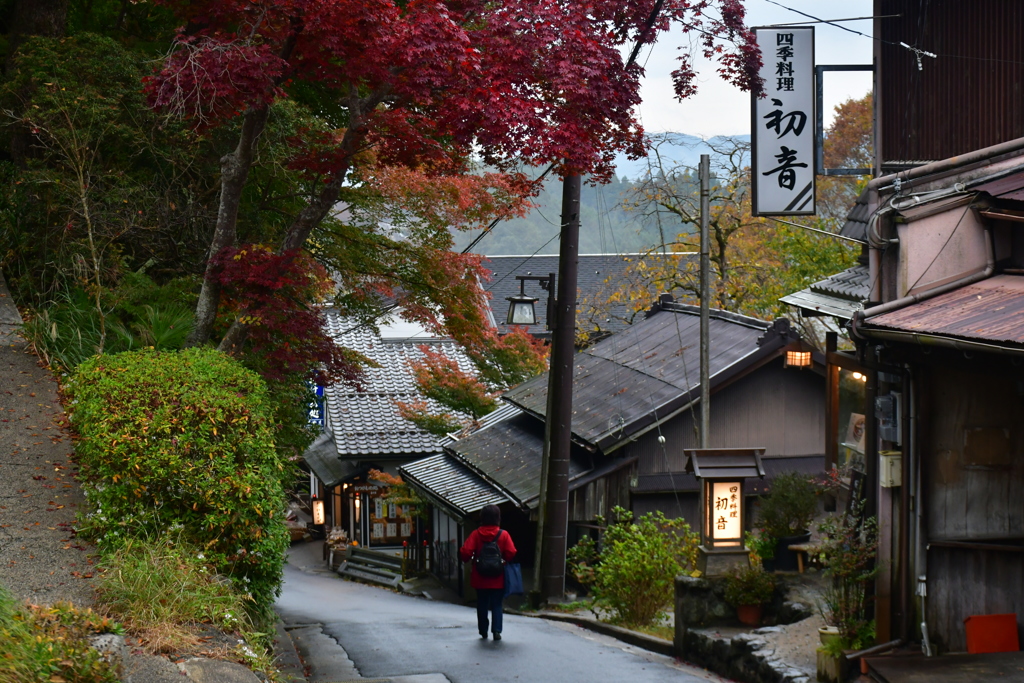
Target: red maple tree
421, 85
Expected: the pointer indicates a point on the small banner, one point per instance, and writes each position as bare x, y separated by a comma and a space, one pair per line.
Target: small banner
783, 124
316, 406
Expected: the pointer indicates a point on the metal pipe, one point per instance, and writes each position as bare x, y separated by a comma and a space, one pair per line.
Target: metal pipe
877, 649
884, 182
705, 303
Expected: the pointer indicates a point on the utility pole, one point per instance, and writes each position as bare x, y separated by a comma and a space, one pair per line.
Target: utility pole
705, 304
553, 514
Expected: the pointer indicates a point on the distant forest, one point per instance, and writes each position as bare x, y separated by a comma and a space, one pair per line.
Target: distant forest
606, 225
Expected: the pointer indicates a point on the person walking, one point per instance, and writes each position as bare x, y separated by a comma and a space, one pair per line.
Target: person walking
489, 547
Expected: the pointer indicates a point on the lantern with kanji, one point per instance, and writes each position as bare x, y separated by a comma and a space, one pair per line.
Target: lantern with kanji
721, 472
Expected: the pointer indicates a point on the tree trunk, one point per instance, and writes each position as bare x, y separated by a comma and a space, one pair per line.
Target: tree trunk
35, 18
234, 171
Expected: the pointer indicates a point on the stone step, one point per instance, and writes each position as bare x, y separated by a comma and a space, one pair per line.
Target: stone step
371, 574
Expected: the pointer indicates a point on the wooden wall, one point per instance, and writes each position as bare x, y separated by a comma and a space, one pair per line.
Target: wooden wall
971, 448
779, 409
965, 582
972, 459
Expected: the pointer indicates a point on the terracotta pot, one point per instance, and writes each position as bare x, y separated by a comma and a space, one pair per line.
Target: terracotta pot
749, 614
863, 666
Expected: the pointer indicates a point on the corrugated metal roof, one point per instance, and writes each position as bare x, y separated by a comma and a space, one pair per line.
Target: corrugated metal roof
992, 310
367, 423
840, 295
451, 484
508, 453
596, 272
622, 382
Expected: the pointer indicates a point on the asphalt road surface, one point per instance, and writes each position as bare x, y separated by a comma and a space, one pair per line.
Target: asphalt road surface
388, 634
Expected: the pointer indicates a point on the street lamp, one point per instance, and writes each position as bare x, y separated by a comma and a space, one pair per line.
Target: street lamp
521, 309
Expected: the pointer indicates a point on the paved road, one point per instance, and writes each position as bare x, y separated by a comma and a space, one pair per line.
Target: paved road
388, 634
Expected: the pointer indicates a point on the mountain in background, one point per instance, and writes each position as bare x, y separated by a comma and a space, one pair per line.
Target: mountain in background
606, 225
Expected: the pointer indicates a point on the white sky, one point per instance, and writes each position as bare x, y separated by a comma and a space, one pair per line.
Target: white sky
718, 108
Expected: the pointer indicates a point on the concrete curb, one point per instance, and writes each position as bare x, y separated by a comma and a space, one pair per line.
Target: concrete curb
641, 640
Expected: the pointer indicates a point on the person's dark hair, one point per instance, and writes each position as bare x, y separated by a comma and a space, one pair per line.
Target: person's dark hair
490, 516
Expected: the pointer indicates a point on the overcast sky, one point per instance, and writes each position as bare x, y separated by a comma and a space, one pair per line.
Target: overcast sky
721, 109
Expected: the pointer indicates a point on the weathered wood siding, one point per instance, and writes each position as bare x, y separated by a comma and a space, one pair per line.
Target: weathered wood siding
779, 409
972, 442
599, 497
971, 450
965, 582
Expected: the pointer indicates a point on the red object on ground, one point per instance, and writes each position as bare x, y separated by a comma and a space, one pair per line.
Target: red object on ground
992, 633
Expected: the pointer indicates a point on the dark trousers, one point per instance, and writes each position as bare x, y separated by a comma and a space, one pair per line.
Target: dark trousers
489, 600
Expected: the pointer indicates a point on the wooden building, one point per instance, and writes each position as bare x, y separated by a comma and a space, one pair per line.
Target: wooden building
635, 400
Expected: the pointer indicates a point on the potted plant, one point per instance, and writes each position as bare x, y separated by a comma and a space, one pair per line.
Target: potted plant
848, 549
762, 548
748, 589
786, 514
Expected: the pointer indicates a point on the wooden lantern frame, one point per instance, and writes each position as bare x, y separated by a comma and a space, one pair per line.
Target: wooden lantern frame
722, 472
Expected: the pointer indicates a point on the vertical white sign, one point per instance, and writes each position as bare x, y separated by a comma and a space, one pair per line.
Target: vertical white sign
726, 521
782, 124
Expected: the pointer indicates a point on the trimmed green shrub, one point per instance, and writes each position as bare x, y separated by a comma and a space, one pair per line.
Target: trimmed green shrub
790, 506
183, 441
634, 573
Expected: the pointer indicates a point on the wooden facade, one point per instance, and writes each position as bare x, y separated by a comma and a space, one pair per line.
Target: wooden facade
971, 438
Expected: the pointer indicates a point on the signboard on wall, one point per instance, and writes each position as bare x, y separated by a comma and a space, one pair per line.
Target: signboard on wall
782, 125
316, 406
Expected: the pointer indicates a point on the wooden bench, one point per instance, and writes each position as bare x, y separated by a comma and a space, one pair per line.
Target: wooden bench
810, 550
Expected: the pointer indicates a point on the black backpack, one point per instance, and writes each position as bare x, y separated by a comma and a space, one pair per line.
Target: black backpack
488, 560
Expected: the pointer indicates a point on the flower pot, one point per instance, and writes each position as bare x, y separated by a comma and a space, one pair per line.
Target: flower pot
785, 559
828, 634
749, 614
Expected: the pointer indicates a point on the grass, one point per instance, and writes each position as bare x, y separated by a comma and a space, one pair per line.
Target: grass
162, 590
50, 643
663, 632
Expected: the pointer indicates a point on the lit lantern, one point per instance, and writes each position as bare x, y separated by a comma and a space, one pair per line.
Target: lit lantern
798, 359
721, 472
318, 512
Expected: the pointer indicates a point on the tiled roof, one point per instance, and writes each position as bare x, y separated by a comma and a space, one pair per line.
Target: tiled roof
367, 423
596, 274
450, 483
856, 225
629, 380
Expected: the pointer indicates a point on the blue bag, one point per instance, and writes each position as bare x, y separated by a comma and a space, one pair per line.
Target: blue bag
513, 579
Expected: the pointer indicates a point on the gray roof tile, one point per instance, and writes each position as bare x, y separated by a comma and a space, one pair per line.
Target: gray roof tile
367, 423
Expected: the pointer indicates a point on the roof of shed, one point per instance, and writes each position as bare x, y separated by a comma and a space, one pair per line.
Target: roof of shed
366, 423
451, 484
991, 310
637, 376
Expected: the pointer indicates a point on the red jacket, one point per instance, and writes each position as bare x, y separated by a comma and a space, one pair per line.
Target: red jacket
472, 546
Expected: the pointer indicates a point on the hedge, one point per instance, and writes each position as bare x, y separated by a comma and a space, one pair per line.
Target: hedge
183, 442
